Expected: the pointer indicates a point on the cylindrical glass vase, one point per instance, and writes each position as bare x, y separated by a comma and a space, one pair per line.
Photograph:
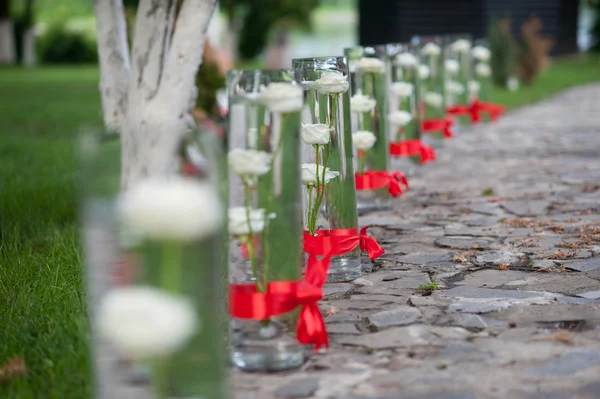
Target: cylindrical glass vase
153, 267
370, 72
481, 55
327, 170
407, 151
265, 219
432, 91
458, 54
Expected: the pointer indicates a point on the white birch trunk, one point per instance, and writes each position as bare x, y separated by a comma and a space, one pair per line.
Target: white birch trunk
7, 42
29, 48
113, 54
149, 103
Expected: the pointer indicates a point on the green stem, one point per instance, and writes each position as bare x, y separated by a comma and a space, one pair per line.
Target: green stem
171, 266
361, 164
250, 242
160, 379
311, 228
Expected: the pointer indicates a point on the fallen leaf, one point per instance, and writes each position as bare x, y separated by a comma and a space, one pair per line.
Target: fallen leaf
561, 336
13, 367
503, 266
332, 310
561, 255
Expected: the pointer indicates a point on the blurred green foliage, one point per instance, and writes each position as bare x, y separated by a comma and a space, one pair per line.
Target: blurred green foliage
61, 45
208, 80
258, 19
595, 30
503, 48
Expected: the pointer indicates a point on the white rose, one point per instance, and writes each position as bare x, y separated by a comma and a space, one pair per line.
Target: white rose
473, 86
452, 66
363, 140
362, 103
402, 89
282, 97
371, 65
433, 99
455, 88
238, 221
400, 118
423, 71
249, 163
431, 49
483, 70
146, 322
332, 82
173, 209
461, 46
406, 60
481, 53
316, 134
309, 174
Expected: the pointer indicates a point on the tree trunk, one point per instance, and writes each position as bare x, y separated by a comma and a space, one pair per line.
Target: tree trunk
29, 52
149, 102
7, 38
277, 53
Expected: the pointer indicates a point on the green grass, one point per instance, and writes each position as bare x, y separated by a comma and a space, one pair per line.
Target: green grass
42, 315
42, 304
562, 74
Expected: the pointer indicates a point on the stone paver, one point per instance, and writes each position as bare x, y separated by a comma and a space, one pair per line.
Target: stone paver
518, 310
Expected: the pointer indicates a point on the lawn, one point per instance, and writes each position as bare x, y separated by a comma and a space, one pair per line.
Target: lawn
42, 315
42, 302
562, 74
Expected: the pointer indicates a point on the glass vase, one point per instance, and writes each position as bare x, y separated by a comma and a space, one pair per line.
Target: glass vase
153, 269
330, 198
407, 151
370, 69
432, 90
458, 53
264, 213
480, 86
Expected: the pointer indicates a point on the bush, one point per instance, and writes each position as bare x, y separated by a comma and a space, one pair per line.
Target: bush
59, 45
502, 46
534, 50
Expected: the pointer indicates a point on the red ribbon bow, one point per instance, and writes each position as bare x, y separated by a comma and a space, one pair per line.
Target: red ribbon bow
493, 110
414, 147
246, 302
331, 243
443, 125
376, 180
471, 110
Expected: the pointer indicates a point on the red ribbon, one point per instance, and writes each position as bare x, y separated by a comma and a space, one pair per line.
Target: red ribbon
493, 110
414, 147
246, 302
443, 125
280, 297
476, 108
338, 242
471, 110
377, 180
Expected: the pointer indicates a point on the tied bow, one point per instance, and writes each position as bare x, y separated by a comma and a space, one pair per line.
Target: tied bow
409, 148
493, 110
280, 297
473, 110
443, 125
376, 180
329, 243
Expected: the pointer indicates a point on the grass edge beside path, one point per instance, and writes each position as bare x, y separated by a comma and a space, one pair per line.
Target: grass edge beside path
563, 73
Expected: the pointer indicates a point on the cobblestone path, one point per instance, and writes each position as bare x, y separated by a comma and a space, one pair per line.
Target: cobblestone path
507, 224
